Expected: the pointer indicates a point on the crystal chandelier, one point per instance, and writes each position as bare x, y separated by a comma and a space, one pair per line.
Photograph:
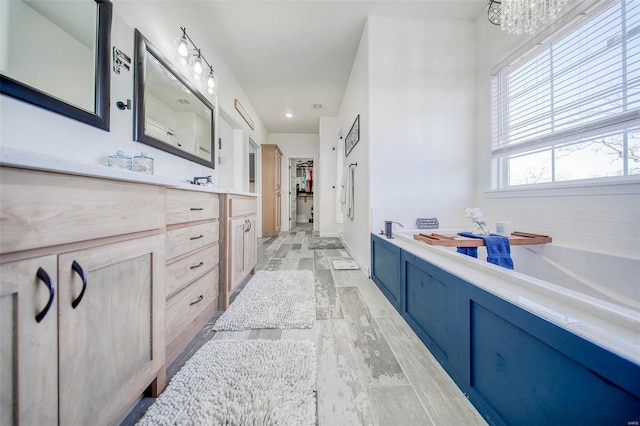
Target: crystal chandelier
523, 16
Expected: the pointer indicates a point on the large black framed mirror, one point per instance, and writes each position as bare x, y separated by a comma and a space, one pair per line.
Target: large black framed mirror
55, 55
169, 112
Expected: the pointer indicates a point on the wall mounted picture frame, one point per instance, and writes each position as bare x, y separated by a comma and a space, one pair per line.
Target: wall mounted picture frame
352, 137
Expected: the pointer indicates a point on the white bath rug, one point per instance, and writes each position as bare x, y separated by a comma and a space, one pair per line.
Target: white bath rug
339, 265
344, 253
241, 382
272, 299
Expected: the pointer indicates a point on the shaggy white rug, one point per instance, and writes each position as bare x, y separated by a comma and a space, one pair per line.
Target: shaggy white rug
241, 382
272, 299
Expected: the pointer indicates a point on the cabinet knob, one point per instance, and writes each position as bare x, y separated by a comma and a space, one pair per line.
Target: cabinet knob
78, 270
44, 277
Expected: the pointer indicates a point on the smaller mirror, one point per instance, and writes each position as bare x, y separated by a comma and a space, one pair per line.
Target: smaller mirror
169, 112
55, 54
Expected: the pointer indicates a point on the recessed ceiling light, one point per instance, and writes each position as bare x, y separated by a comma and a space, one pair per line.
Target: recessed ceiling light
288, 115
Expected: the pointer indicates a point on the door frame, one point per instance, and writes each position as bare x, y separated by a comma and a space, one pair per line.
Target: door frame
292, 191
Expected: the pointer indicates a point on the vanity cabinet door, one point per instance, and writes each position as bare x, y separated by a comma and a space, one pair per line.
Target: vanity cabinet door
250, 246
28, 348
111, 338
238, 237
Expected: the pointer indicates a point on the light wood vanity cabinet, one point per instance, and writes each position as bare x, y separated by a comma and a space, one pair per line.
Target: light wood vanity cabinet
101, 343
192, 272
240, 248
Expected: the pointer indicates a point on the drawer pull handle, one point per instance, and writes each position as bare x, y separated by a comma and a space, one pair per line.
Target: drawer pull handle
197, 238
197, 266
42, 274
197, 301
194, 209
78, 269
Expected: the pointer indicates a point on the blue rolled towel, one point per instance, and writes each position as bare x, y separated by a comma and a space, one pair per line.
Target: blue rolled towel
469, 251
498, 249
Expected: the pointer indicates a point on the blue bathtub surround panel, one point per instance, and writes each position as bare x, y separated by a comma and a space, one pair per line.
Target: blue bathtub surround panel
385, 269
515, 366
469, 251
498, 248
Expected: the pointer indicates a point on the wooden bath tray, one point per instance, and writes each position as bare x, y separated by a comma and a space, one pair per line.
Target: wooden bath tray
515, 239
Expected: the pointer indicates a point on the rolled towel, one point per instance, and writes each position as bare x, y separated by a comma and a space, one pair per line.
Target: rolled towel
498, 248
469, 251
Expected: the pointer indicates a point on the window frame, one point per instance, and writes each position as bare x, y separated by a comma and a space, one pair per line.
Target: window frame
500, 155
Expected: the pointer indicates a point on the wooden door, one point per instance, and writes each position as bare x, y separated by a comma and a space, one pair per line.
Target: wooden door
250, 246
278, 191
238, 227
28, 348
111, 333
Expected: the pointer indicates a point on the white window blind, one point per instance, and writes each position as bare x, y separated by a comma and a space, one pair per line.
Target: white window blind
582, 83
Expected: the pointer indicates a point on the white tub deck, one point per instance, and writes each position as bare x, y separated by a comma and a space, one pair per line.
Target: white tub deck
612, 326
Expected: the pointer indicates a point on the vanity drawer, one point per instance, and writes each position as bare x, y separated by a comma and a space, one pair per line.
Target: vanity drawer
40, 209
185, 307
240, 206
190, 206
191, 267
183, 240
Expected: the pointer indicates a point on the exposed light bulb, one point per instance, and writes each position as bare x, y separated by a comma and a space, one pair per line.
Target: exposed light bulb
211, 81
183, 48
197, 64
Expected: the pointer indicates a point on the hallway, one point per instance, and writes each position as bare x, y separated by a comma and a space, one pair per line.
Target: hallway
372, 369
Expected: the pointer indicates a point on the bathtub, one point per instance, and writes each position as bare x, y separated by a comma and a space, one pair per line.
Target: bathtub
572, 308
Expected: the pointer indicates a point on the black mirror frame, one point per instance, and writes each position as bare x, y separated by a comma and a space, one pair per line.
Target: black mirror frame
101, 116
142, 47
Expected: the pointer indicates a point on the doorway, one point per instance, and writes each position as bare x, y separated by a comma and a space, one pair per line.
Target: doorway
253, 165
301, 189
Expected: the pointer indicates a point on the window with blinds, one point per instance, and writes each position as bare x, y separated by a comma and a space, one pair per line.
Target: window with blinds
570, 108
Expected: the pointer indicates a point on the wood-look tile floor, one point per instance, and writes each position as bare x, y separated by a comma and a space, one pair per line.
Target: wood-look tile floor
372, 368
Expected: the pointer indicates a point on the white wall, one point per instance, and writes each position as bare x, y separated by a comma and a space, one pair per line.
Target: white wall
412, 83
601, 219
328, 184
295, 145
355, 232
33, 129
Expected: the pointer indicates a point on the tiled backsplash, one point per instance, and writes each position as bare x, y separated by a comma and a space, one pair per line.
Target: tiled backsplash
579, 222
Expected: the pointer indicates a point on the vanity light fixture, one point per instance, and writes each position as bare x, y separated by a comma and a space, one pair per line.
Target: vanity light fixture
197, 59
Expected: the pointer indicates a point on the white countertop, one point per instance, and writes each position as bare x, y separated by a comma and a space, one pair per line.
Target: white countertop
27, 160
613, 327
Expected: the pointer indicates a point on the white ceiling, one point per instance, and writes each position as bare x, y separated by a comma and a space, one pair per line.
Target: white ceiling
288, 55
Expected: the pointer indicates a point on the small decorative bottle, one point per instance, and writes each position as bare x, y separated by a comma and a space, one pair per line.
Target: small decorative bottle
143, 164
119, 161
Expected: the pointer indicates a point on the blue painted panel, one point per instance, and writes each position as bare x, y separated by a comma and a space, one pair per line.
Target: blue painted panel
530, 383
426, 305
385, 269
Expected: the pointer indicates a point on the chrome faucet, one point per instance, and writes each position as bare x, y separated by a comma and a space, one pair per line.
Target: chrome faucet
196, 180
387, 228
